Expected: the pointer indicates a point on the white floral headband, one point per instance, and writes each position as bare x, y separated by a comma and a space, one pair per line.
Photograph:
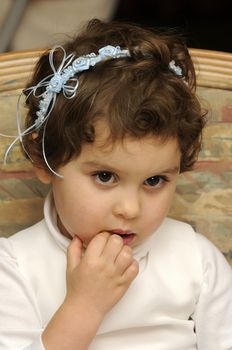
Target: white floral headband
58, 82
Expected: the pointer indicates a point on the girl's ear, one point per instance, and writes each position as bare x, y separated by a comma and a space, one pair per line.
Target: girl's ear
43, 175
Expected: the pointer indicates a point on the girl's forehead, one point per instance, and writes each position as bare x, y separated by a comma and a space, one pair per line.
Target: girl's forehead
145, 152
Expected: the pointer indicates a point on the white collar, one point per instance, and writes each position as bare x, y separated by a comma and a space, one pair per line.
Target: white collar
50, 216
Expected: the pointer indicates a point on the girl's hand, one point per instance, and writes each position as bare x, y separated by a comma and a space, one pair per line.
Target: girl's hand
96, 281
99, 278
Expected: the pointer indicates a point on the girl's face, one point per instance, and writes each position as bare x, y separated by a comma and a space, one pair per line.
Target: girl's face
125, 188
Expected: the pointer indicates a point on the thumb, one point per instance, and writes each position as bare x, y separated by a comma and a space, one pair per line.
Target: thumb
74, 253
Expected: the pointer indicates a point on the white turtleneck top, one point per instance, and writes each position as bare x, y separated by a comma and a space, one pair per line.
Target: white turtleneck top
181, 299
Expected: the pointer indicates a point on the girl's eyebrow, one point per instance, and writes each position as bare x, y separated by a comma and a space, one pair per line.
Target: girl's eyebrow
173, 170
98, 165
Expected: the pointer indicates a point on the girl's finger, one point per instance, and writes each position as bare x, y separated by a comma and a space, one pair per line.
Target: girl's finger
124, 259
131, 272
74, 253
97, 245
113, 247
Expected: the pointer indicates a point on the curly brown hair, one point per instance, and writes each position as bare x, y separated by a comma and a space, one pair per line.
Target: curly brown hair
136, 96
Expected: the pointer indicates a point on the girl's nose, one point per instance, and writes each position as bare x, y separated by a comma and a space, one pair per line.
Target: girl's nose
127, 206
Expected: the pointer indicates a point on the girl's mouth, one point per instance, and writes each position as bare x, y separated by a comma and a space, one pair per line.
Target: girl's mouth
127, 236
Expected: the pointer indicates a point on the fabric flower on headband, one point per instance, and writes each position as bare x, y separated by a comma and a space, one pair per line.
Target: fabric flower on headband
64, 80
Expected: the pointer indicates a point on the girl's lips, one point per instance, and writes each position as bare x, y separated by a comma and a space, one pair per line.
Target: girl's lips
121, 232
127, 236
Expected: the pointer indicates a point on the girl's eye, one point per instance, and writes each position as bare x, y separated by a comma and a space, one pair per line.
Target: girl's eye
105, 177
155, 181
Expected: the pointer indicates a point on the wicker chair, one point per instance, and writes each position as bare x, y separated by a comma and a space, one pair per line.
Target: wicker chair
203, 197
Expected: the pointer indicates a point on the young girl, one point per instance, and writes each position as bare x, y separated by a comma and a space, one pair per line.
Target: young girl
112, 121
